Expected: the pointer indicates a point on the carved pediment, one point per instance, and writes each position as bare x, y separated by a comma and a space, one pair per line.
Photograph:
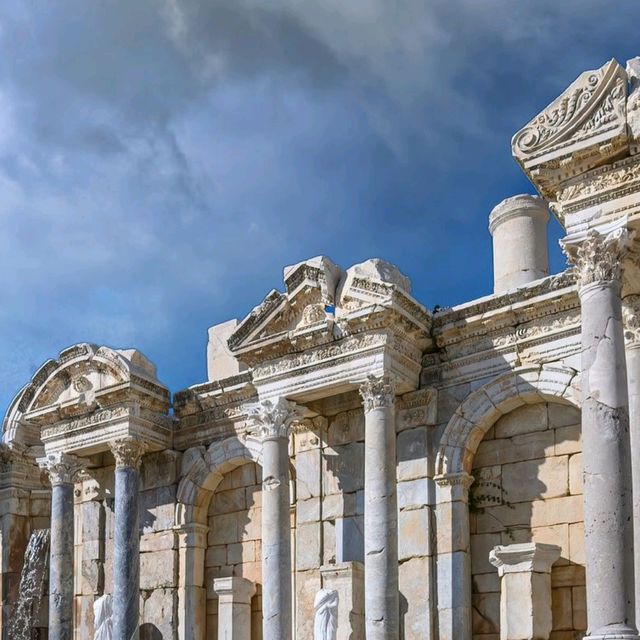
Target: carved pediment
583, 128
322, 303
83, 379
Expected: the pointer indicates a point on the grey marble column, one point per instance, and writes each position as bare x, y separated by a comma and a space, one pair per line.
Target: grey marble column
605, 434
61, 469
381, 595
273, 421
631, 315
126, 539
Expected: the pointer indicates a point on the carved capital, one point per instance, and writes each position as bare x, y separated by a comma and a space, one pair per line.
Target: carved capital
378, 391
461, 479
631, 318
128, 452
61, 468
273, 419
598, 256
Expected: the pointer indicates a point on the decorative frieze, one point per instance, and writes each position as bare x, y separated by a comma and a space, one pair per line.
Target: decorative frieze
378, 391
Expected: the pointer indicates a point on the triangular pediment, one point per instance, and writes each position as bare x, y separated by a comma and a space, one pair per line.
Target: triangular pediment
583, 128
322, 303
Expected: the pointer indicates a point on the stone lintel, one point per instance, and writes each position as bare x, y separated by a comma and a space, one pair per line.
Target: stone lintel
234, 589
526, 557
89, 434
341, 367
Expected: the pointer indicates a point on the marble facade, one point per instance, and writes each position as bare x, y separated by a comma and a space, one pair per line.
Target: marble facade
466, 473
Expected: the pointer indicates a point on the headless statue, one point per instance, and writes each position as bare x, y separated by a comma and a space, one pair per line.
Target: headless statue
102, 613
326, 622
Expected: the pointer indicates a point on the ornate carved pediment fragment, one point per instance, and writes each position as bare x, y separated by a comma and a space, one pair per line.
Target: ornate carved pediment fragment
583, 128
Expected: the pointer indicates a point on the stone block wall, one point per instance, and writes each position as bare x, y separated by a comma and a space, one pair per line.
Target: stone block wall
234, 540
329, 508
528, 487
94, 522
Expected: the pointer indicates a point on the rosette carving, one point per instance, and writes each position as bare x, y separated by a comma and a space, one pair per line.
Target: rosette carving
378, 391
631, 318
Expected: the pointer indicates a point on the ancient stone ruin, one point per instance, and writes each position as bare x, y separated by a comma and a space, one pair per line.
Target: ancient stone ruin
356, 465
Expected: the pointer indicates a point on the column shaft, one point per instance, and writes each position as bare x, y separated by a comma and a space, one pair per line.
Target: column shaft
61, 563
61, 469
607, 477
273, 421
605, 434
380, 511
276, 541
126, 540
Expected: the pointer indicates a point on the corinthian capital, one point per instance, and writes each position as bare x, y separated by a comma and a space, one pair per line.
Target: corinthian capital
378, 391
631, 318
61, 468
128, 452
598, 256
273, 419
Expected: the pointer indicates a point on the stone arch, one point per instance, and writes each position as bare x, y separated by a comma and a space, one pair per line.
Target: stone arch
475, 416
458, 445
202, 472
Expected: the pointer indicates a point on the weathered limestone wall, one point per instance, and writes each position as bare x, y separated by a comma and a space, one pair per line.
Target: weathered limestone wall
528, 488
234, 541
329, 465
94, 528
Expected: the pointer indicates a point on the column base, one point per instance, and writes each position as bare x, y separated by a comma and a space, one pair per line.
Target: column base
614, 632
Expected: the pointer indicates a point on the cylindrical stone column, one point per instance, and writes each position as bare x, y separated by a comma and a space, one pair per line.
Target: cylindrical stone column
273, 421
605, 435
518, 226
381, 595
61, 469
126, 539
631, 316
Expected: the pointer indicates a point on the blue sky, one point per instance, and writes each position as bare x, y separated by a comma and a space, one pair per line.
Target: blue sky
162, 160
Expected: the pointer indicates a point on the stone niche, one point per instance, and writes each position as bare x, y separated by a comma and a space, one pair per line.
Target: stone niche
528, 488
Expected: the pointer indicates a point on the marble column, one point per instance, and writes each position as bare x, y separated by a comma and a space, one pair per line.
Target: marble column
273, 421
381, 595
525, 589
61, 469
234, 607
126, 539
631, 316
605, 433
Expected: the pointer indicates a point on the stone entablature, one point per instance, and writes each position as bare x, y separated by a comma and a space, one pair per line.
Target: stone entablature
88, 396
332, 328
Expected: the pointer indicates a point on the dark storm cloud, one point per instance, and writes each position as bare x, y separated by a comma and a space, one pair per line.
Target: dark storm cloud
161, 160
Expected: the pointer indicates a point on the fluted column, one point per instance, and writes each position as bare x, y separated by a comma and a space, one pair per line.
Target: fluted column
126, 540
273, 421
61, 469
381, 596
631, 316
605, 434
